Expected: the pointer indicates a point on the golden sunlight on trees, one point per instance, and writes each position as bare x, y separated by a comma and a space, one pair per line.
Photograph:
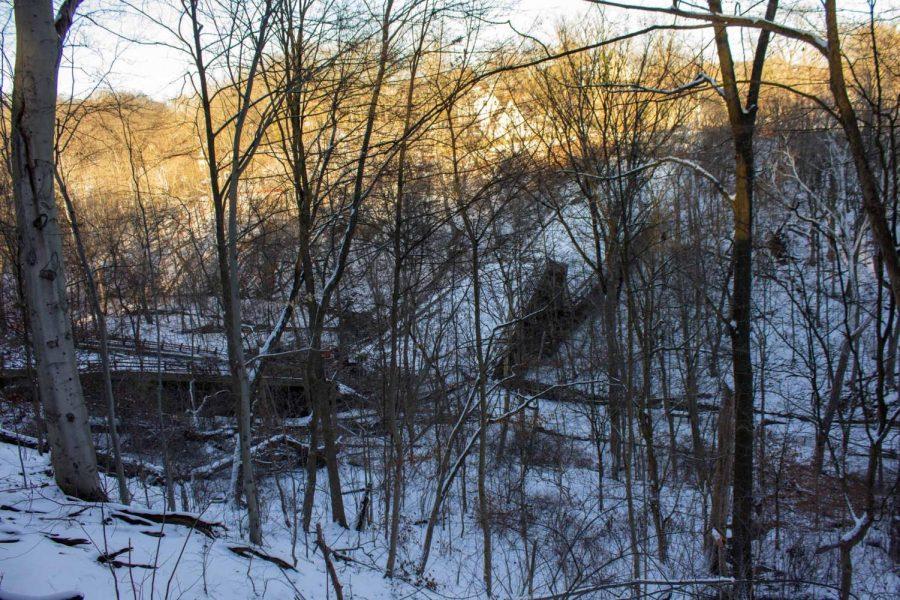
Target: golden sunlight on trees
405, 299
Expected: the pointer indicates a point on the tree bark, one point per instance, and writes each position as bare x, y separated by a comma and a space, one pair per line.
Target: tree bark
225, 199
38, 44
872, 205
615, 371
743, 124
100, 323
318, 309
716, 538
742, 498
393, 391
645, 426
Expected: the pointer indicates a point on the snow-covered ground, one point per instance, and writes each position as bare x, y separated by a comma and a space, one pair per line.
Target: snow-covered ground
556, 525
171, 561
551, 517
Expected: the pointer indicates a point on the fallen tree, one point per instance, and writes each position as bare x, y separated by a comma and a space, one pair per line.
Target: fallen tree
154, 473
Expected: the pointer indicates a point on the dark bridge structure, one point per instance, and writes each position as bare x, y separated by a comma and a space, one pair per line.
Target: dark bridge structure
548, 317
188, 374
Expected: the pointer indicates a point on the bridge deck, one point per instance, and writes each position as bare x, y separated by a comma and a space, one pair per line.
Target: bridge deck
168, 361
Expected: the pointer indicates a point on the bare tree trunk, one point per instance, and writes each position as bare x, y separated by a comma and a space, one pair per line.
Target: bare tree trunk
742, 511
38, 47
483, 511
329, 443
445, 476
481, 384
834, 398
628, 463
715, 537
615, 373
225, 199
872, 205
311, 465
645, 425
237, 366
691, 365
743, 124
329, 564
393, 391
100, 323
667, 408
318, 310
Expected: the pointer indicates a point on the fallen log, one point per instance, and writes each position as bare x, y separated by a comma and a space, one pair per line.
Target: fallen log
67, 541
248, 551
156, 534
6, 595
11, 437
105, 461
155, 474
131, 520
280, 439
113, 560
9, 508
204, 435
329, 566
146, 517
559, 434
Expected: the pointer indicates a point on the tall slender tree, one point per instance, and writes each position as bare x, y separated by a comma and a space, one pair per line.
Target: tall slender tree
227, 159
742, 120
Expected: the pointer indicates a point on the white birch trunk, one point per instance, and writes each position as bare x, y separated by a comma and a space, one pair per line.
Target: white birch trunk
43, 273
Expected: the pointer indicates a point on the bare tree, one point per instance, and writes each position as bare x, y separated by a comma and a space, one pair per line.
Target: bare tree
39, 40
830, 49
251, 24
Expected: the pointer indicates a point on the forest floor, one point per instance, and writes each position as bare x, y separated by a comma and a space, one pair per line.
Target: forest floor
551, 516
52, 546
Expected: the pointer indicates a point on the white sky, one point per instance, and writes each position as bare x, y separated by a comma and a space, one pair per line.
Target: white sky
115, 47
